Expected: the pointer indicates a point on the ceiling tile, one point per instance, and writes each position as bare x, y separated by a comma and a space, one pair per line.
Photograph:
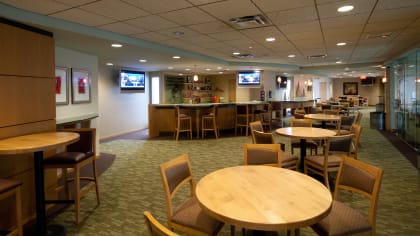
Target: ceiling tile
40, 6
160, 6
327, 10
226, 36
179, 32
281, 5
73, 3
293, 15
260, 34
307, 26
224, 10
408, 14
211, 27
152, 36
82, 17
114, 9
152, 22
122, 28
392, 4
188, 16
356, 20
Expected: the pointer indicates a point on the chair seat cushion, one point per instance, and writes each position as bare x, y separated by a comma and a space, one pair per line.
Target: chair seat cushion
67, 158
342, 220
8, 184
333, 160
287, 157
191, 214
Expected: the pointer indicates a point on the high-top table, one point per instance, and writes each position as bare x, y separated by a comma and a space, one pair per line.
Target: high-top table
37, 143
263, 197
323, 118
304, 133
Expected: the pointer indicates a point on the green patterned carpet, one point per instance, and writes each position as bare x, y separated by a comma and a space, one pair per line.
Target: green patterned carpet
133, 184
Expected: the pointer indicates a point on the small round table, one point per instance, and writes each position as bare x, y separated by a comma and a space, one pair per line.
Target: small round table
37, 143
304, 133
263, 197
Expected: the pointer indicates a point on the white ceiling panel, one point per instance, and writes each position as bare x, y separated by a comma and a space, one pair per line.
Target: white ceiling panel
293, 16
281, 5
82, 17
392, 4
160, 6
114, 9
327, 10
42, 6
211, 27
189, 16
401, 14
73, 3
152, 23
122, 28
228, 36
179, 32
152, 36
226, 10
307, 26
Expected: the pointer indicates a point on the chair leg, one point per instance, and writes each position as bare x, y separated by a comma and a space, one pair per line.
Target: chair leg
18, 199
66, 186
215, 128
95, 178
77, 193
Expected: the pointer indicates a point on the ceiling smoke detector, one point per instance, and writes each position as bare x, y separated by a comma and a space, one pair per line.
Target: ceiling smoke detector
245, 22
244, 56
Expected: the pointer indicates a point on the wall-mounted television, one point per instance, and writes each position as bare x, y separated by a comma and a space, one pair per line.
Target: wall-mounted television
281, 81
132, 80
367, 81
249, 78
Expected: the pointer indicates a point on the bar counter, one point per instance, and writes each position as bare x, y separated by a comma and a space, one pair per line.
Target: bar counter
162, 116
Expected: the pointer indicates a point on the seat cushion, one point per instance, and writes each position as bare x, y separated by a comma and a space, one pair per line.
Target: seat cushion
67, 158
8, 184
342, 220
190, 214
333, 160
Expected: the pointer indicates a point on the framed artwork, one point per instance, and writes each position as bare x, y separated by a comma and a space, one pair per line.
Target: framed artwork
350, 88
61, 86
80, 86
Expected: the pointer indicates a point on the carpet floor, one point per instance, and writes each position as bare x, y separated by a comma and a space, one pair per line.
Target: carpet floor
132, 184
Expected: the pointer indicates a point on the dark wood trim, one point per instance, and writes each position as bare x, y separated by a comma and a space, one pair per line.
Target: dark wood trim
26, 27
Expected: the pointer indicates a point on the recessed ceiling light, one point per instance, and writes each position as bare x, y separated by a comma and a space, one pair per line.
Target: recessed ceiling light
291, 55
176, 57
219, 67
339, 62
142, 60
345, 8
116, 45
109, 64
341, 44
187, 69
178, 33
208, 69
170, 67
220, 72
180, 74
236, 53
250, 47
270, 39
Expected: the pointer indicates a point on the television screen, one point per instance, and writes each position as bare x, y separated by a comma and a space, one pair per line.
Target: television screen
367, 81
132, 80
281, 81
249, 78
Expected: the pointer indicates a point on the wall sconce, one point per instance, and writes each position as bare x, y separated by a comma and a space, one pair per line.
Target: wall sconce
195, 77
384, 80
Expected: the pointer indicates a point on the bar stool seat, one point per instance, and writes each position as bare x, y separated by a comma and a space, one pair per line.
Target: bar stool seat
78, 155
8, 188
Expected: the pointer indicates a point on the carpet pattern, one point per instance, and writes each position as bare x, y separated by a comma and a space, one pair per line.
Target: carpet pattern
133, 184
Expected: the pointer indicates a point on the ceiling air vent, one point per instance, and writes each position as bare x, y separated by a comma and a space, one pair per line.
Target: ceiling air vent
245, 22
378, 35
244, 56
319, 56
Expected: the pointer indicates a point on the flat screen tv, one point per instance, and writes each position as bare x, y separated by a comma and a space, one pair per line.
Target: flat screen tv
367, 81
249, 78
132, 80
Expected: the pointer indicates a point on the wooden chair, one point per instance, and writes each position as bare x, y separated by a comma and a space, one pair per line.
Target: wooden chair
9, 188
155, 228
183, 122
208, 122
188, 217
76, 156
289, 161
262, 154
264, 115
299, 113
295, 143
359, 178
243, 117
335, 148
357, 131
346, 123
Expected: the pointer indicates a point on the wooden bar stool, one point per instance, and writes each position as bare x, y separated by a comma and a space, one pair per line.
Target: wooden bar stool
208, 122
183, 122
243, 117
77, 155
8, 188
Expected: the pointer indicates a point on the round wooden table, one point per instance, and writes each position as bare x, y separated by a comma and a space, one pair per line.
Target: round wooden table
304, 133
323, 118
263, 197
37, 143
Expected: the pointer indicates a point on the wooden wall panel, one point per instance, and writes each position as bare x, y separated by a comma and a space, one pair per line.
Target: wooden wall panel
26, 53
28, 100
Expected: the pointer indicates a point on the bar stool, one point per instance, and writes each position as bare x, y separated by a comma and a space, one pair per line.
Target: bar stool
77, 155
243, 117
183, 122
208, 122
8, 188
264, 115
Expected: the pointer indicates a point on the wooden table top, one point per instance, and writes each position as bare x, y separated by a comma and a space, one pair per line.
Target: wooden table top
36, 142
263, 197
305, 132
321, 116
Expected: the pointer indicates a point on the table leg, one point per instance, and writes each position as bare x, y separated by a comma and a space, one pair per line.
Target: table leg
197, 122
323, 124
41, 219
302, 152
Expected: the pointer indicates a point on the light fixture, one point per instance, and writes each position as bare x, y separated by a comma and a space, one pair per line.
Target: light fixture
270, 39
384, 80
291, 56
195, 77
341, 44
345, 8
362, 76
236, 53
109, 64
116, 45
176, 57
142, 60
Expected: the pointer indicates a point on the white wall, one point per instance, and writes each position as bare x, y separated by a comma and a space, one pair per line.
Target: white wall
120, 111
